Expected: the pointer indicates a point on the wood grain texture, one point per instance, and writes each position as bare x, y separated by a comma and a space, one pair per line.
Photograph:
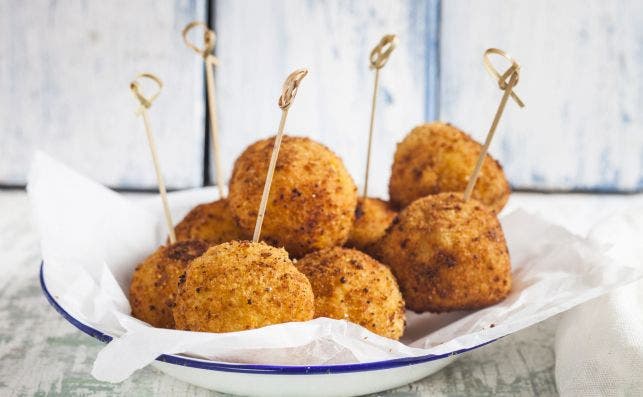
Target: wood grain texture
581, 80
65, 68
260, 43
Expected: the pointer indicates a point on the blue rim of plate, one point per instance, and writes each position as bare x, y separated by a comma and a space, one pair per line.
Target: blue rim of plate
255, 368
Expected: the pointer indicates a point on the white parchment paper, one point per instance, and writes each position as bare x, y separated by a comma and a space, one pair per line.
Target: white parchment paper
92, 238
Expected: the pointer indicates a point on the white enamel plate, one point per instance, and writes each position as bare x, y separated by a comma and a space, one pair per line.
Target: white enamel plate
279, 380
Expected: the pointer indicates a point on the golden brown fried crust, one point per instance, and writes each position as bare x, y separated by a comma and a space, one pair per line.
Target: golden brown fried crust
350, 285
241, 285
436, 158
447, 254
312, 199
154, 282
212, 222
372, 217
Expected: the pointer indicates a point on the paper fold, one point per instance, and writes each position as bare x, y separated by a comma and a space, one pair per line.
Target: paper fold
92, 238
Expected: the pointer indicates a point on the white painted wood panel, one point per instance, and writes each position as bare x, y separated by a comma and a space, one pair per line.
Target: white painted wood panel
65, 68
582, 81
259, 43
60, 62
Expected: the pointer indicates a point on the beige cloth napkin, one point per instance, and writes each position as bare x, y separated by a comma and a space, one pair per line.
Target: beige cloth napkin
599, 344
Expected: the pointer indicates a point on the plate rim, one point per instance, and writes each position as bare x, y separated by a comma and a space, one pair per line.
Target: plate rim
254, 368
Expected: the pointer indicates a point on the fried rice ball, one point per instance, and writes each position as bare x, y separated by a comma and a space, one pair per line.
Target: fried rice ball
350, 285
154, 282
447, 254
312, 199
372, 217
211, 222
435, 158
242, 285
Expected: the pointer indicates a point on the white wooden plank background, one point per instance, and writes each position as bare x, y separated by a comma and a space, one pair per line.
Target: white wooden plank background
582, 81
65, 67
259, 43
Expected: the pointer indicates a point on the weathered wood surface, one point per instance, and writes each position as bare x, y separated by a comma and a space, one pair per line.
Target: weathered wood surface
65, 68
581, 80
42, 354
260, 43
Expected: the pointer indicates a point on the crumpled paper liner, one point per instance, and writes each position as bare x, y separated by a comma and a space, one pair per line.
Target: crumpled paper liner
92, 238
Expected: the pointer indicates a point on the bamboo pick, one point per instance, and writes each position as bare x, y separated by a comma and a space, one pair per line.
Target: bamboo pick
210, 60
513, 74
288, 92
379, 57
145, 103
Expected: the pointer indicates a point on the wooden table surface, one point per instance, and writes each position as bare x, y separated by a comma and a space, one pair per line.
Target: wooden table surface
43, 355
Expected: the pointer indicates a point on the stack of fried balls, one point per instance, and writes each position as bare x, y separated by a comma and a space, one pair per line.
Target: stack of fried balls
327, 253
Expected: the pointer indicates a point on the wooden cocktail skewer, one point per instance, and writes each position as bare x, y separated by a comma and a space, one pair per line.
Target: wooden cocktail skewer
145, 103
210, 60
288, 92
513, 74
379, 57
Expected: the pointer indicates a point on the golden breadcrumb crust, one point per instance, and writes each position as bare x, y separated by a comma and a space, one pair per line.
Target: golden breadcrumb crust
154, 282
435, 158
312, 200
372, 217
212, 222
350, 285
242, 285
447, 254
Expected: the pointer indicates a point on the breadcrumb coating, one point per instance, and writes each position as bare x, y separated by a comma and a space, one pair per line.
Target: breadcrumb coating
447, 254
312, 200
212, 222
154, 283
242, 285
435, 158
350, 285
372, 217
